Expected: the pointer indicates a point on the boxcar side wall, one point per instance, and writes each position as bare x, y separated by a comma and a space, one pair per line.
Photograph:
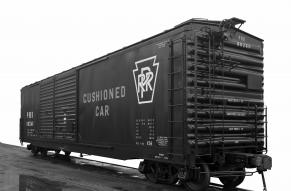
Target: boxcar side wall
117, 107
123, 102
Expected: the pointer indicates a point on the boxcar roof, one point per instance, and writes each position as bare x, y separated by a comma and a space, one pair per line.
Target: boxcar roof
104, 57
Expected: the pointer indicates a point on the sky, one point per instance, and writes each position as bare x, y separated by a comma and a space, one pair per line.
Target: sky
41, 38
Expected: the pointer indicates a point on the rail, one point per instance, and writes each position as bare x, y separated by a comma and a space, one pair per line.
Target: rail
90, 162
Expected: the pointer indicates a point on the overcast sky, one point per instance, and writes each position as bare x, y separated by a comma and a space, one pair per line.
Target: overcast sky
41, 38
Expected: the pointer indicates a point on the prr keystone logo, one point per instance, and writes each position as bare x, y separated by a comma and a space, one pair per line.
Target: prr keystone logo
145, 76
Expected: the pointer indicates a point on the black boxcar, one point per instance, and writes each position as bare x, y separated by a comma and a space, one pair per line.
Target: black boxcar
189, 101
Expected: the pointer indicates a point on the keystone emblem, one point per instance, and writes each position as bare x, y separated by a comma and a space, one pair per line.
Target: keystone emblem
145, 75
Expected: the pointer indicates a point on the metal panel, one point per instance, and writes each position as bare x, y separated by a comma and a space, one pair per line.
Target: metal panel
65, 101
46, 108
120, 108
29, 112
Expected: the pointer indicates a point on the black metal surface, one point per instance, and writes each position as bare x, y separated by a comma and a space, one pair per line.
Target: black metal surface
190, 91
65, 102
230, 93
46, 112
29, 123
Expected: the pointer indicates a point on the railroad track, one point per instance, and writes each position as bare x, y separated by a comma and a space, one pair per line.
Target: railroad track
79, 173
131, 171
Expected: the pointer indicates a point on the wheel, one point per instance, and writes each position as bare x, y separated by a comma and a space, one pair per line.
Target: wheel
34, 150
43, 152
172, 175
161, 173
202, 183
67, 153
232, 181
151, 173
